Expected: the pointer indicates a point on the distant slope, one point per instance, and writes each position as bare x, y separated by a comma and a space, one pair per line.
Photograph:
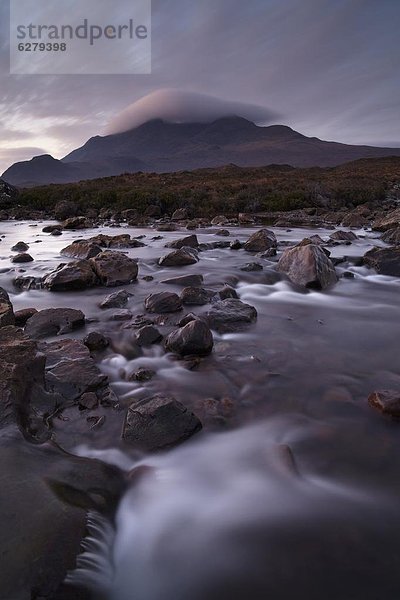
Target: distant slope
157, 146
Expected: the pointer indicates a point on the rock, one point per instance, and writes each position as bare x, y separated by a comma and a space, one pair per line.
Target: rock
190, 225
28, 282
245, 219
81, 249
167, 227
142, 375
20, 247
65, 210
114, 268
221, 220
223, 233
385, 261
227, 292
230, 315
77, 275
250, 267
51, 228
116, 300
389, 221
268, 253
194, 338
21, 258
54, 321
76, 223
56, 232
21, 316
121, 315
316, 239
180, 215
308, 265
163, 302
387, 402
213, 246
121, 241
159, 422
236, 245
196, 296
148, 335
6, 309
186, 319
88, 401
95, 341
392, 237
343, 236
179, 258
262, 240
186, 280
190, 241
355, 220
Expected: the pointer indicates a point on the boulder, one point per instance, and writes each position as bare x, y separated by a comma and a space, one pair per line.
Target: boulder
76, 223
121, 241
387, 402
262, 240
190, 241
163, 302
392, 237
147, 336
251, 267
159, 422
308, 265
95, 341
389, 221
56, 232
195, 338
227, 292
196, 296
221, 220
385, 261
343, 236
20, 247
116, 300
21, 258
180, 215
179, 258
51, 228
230, 315
54, 321
114, 268
21, 316
167, 227
81, 249
77, 275
6, 309
185, 280
223, 233
236, 245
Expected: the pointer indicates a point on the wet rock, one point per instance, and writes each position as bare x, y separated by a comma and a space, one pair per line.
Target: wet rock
179, 258
196, 296
88, 401
262, 240
223, 233
76, 223
54, 321
221, 220
6, 309
230, 315
114, 268
159, 422
268, 253
308, 265
95, 341
236, 245
148, 335
142, 375
186, 319
190, 225
387, 402
81, 249
185, 280
385, 261
21, 316
56, 232
189, 241
214, 246
180, 215
195, 338
22, 258
51, 228
250, 267
316, 239
20, 247
121, 241
163, 302
343, 236
77, 275
23, 282
227, 292
245, 219
116, 300
121, 315
389, 221
348, 275
392, 237
167, 227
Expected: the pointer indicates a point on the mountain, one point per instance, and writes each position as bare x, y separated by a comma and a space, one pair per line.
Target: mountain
159, 146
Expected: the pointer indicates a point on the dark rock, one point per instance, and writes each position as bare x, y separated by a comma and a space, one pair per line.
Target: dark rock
223, 233
6, 309
316, 239
88, 401
121, 241
81, 249
230, 315
387, 401
20, 247
385, 261
21, 316
76, 223
261, 241
194, 338
114, 268
159, 422
236, 245
227, 292
121, 315
148, 335
21, 258
308, 265
65, 210
196, 296
77, 275
54, 321
189, 241
355, 220
214, 246
392, 237
389, 221
250, 267
348, 275
343, 236
163, 302
180, 215
142, 375
179, 258
221, 221
95, 341
167, 227
56, 232
51, 228
116, 300
148, 278
186, 319
185, 280
268, 253
28, 282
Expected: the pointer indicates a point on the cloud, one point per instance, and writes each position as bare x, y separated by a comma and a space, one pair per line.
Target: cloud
184, 107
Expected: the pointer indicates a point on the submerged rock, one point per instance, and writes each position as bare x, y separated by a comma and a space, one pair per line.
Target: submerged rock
179, 258
230, 315
308, 265
251, 267
114, 268
385, 261
387, 402
163, 302
54, 321
195, 338
159, 422
261, 241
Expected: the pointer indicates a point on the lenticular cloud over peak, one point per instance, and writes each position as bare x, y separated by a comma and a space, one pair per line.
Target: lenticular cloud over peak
184, 107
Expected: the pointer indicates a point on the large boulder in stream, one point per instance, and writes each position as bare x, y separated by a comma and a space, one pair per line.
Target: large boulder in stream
54, 321
385, 261
195, 338
114, 268
261, 241
308, 265
159, 422
77, 275
230, 315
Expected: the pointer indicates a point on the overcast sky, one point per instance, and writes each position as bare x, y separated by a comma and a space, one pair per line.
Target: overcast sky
327, 68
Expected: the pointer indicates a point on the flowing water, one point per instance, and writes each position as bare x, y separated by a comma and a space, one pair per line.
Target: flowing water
292, 488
